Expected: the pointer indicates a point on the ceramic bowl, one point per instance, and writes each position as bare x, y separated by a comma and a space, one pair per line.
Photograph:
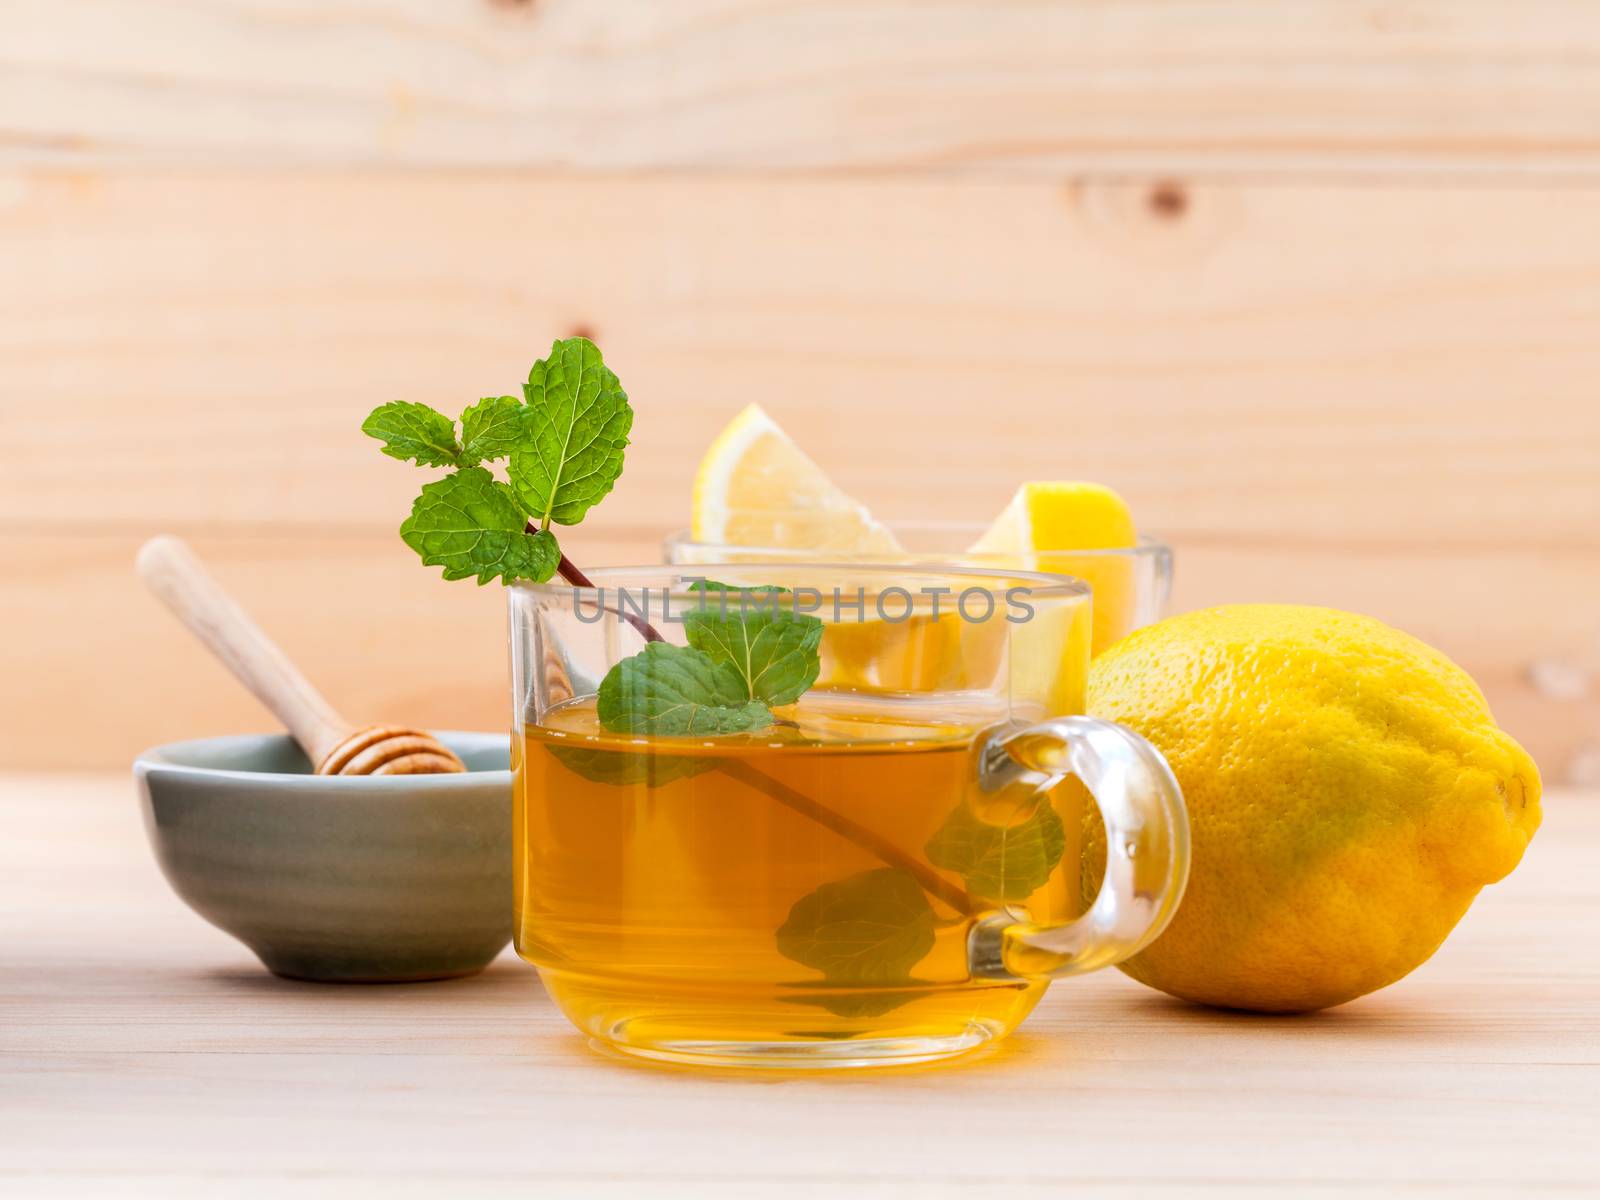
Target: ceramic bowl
340, 879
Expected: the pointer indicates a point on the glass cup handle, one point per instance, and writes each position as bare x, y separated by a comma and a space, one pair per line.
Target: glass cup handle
1147, 848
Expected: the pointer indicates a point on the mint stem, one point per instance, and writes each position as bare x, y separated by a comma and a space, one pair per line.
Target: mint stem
570, 572
573, 574
930, 880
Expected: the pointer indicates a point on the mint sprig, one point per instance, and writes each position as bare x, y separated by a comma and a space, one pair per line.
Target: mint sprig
564, 439
750, 651
562, 445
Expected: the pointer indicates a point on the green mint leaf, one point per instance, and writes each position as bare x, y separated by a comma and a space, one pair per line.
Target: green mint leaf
774, 649
415, 432
491, 429
577, 426
677, 690
1000, 862
469, 524
624, 769
867, 930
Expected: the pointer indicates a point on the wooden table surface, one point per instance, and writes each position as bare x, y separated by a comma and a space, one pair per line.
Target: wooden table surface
144, 1052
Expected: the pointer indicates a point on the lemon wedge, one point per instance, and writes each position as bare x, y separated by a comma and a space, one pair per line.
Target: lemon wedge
755, 487
1059, 516
1069, 529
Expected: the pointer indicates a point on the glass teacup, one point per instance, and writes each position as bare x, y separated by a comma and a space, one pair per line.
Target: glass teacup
1131, 586
883, 870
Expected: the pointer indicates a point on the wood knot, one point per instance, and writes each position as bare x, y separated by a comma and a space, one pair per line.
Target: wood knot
1168, 200
583, 330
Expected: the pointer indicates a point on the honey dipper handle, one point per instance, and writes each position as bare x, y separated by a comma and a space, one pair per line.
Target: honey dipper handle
172, 572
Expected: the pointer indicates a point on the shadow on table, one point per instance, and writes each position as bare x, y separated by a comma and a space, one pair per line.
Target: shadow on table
506, 977
1377, 1016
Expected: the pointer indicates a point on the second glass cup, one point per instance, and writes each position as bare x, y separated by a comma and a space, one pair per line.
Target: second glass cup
1131, 586
822, 814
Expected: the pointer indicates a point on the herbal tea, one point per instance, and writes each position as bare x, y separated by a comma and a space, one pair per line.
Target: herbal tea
771, 834
815, 880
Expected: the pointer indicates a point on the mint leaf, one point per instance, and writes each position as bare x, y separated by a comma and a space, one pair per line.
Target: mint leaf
491, 429
1000, 862
416, 432
774, 649
867, 930
673, 690
624, 769
469, 524
577, 426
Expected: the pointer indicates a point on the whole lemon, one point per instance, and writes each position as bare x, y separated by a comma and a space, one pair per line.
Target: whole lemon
1348, 790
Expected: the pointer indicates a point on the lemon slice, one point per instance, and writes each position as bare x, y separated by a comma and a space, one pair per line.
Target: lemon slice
755, 487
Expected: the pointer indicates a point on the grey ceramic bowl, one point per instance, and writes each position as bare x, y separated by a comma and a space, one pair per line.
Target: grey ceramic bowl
379, 879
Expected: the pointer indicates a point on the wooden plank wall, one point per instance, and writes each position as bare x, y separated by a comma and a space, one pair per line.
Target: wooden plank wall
1317, 285
1497, 87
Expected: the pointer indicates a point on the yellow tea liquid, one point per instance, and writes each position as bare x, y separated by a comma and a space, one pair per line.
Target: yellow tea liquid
657, 880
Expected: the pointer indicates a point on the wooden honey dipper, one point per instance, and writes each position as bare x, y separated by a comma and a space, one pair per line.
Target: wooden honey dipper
172, 572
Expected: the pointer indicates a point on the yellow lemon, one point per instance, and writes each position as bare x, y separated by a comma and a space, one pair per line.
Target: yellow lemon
1349, 794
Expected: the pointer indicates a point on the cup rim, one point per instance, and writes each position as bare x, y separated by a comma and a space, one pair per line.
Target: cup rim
962, 533
1042, 584
164, 758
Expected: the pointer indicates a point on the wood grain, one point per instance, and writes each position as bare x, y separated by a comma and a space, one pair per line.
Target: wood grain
143, 1052
1401, 367
1373, 398
959, 86
389, 641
